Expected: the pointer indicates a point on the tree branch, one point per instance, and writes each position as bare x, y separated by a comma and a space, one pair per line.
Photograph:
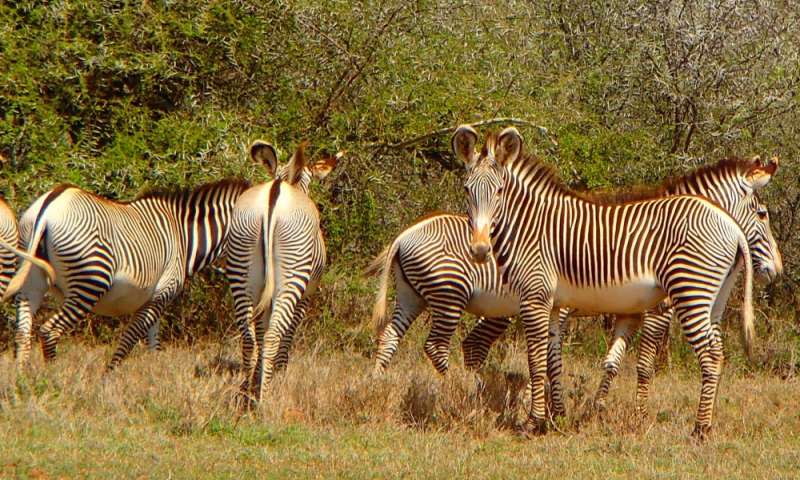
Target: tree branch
542, 131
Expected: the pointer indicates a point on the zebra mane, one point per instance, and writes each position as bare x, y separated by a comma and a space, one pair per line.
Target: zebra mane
227, 183
533, 170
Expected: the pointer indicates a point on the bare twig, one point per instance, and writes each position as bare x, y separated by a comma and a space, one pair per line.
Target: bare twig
483, 123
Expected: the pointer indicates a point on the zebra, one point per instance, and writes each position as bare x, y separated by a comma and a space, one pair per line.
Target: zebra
432, 267
9, 235
726, 184
115, 258
275, 259
558, 248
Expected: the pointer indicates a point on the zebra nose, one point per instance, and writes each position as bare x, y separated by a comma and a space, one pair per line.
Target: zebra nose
480, 251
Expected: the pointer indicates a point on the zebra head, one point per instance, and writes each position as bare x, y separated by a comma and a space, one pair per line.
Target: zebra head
766, 256
485, 181
297, 172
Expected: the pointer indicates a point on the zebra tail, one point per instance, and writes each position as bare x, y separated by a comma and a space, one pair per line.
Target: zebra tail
748, 325
29, 259
269, 268
383, 264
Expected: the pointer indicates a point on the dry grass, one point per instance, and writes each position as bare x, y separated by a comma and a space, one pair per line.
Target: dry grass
172, 413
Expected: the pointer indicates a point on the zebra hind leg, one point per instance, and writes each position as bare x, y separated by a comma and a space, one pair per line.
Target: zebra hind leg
624, 328
283, 307
654, 330
444, 320
145, 319
479, 341
282, 358
406, 310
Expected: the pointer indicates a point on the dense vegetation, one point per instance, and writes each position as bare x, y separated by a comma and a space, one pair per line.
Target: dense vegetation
120, 96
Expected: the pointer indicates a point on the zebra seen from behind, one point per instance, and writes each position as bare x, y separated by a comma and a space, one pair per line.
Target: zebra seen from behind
557, 248
115, 258
276, 255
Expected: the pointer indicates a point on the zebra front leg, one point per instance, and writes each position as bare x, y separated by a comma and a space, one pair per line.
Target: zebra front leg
407, 308
282, 358
480, 339
704, 339
145, 318
624, 328
535, 313
654, 329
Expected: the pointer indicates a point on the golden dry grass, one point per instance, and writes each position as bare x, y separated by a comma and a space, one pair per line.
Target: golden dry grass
172, 414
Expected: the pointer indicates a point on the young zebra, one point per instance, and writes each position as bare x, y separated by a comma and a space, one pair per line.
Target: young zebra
432, 267
115, 258
557, 248
276, 255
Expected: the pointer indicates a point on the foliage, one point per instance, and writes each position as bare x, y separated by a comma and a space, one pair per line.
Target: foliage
121, 96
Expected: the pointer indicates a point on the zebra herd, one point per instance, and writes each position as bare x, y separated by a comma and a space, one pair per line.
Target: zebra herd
528, 247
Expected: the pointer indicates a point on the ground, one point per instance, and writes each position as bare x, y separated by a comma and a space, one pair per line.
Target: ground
172, 414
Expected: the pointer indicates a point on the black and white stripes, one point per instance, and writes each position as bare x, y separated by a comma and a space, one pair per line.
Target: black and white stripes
560, 249
116, 258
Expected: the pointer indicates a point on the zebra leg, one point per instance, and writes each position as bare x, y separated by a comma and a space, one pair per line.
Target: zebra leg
27, 306
408, 306
654, 328
444, 320
144, 320
243, 311
153, 343
696, 324
624, 328
535, 312
480, 339
283, 309
558, 322
286, 343
87, 282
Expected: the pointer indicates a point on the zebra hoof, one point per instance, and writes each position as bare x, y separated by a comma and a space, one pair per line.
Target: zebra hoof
533, 427
701, 432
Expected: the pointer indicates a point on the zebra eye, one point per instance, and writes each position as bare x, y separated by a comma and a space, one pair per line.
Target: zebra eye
762, 214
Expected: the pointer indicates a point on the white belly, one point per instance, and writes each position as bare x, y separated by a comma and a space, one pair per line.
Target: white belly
487, 304
635, 296
125, 297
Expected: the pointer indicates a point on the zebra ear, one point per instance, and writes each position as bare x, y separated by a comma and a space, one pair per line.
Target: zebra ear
323, 167
264, 153
297, 163
508, 147
760, 175
463, 145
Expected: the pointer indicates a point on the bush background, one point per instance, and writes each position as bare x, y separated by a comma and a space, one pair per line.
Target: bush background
118, 97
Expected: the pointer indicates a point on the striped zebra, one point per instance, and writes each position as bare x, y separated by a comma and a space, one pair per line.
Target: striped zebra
558, 248
432, 267
115, 258
726, 183
276, 255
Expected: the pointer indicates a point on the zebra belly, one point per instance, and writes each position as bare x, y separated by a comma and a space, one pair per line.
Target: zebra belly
490, 304
125, 297
635, 296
